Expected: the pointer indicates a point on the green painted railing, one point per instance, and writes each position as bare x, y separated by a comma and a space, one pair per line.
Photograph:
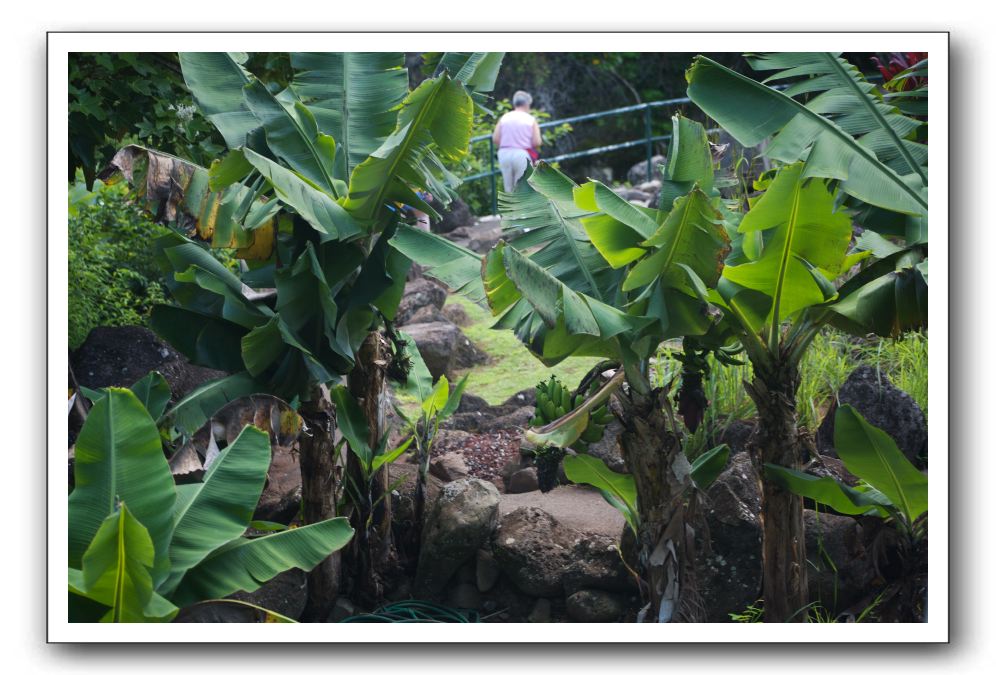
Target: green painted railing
647, 140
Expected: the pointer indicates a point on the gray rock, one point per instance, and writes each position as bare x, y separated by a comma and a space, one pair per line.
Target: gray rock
449, 467
517, 419
596, 564
541, 613
884, 406
427, 314
841, 571
594, 606
444, 347
462, 518
831, 467
729, 574
403, 496
464, 596
526, 397
286, 593
457, 214
533, 550
418, 294
736, 435
487, 570
456, 315
472, 403
281, 498
637, 174
523, 480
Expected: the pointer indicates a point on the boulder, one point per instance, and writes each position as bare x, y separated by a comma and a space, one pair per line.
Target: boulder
841, 571
464, 596
119, 356
523, 480
480, 236
281, 498
449, 467
526, 397
460, 521
286, 593
444, 347
517, 419
593, 606
729, 571
449, 440
472, 403
427, 314
637, 173
736, 435
596, 564
884, 406
418, 294
457, 214
541, 613
832, 467
403, 495
456, 315
533, 550
486, 571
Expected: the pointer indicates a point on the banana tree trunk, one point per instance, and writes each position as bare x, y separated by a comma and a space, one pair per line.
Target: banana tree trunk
374, 548
785, 588
654, 456
317, 448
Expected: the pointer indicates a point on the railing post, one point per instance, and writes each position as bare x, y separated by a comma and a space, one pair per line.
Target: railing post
494, 185
650, 144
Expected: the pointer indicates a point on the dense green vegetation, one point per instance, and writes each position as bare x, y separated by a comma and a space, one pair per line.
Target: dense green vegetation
735, 296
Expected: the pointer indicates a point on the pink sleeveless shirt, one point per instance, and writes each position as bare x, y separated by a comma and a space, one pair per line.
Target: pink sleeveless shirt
516, 130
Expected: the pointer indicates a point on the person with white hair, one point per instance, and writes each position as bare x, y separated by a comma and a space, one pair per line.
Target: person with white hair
517, 137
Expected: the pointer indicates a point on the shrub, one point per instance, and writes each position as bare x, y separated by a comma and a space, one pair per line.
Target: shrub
113, 279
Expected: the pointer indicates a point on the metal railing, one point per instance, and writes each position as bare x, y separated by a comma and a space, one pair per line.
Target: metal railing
648, 141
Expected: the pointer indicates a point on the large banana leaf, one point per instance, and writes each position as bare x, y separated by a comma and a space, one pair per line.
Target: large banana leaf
116, 572
872, 455
753, 113
152, 391
806, 241
218, 509
177, 192
457, 267
216, 80
887, 298
542, 213
247, 564
825, 490
193, 410
292, 135
852, 102
435, 118
618, 489
354, 97
119, 457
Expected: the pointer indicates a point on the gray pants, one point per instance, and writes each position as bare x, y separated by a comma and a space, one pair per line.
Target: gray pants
513, 163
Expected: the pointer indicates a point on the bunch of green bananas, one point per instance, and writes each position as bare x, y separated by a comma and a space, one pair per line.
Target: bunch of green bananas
554, 400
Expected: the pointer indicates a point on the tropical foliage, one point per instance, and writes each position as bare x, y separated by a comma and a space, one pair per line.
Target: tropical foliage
141, 547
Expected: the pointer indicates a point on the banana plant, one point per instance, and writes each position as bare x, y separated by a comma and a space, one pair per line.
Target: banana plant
582, 272
142, 547
844, 153
308, 195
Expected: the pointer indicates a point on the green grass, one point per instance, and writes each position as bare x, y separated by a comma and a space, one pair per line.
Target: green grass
831, 357
512, 367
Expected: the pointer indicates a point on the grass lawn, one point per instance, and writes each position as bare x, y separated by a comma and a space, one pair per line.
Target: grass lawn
512, 367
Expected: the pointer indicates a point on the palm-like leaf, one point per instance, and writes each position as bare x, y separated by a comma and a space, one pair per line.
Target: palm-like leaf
354, 97
753, 112
218, 509
435, 118
216, 80
246, 564
119, 458
806, 240
542, 213
851, 102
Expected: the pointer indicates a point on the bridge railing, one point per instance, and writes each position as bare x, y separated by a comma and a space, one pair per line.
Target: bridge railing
647, 140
